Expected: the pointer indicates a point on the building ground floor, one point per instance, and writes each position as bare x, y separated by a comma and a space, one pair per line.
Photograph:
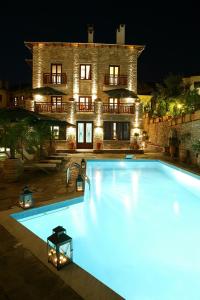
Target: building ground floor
111, 133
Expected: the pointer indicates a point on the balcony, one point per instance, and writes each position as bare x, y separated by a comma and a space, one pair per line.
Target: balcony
54, 78
48, 107
80, 107
115, 80
122, 108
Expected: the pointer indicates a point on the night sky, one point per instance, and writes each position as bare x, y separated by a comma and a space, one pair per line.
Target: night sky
171, 35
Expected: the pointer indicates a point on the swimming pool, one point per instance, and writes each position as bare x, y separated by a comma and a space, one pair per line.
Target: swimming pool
137, 229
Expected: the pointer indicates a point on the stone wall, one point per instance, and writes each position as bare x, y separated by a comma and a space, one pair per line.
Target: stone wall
100, 56
159, 129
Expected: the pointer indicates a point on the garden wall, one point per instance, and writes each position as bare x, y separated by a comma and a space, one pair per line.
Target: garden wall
158, 130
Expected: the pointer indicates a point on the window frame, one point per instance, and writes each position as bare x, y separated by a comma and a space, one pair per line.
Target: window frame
113, 78
84, 106
115, 129
90, 72
56, 75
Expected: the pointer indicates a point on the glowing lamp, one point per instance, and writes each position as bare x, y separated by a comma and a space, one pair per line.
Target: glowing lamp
79, 183
26, 198
59, 248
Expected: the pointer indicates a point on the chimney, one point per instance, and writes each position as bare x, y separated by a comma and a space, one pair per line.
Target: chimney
90, 33
120, 35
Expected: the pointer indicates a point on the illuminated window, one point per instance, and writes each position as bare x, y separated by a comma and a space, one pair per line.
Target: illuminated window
85, 103
55, 132
85, 72
15, 101
113, 75
113, 104
56, 103
116, 130
56, 73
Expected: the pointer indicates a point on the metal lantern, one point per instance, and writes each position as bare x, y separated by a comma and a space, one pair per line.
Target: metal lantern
26, 198
79, 183
59, 248
83, 163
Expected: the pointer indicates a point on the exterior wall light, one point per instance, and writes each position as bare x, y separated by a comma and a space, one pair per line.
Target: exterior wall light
26, 198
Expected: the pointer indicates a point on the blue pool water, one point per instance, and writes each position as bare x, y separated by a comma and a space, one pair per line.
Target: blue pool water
137, 230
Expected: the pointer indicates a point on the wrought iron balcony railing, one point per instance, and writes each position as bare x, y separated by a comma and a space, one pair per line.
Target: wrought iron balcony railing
81, 107
115, 79
54, 78
48, 107
122, 108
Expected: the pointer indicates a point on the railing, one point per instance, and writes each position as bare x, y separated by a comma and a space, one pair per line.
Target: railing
51, 108
54, 78
119, 108
80, 107
115, 79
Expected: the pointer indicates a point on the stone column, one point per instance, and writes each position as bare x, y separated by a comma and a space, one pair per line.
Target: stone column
98, 124
71, 131
136, 124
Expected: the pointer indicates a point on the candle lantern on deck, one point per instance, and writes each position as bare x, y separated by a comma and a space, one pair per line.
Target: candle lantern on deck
83, 163
79, 183
59, 248
26, 198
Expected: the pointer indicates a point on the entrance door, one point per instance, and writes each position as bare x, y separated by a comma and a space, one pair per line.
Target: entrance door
84, 135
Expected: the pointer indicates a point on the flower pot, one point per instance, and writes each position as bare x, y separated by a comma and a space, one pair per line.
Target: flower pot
172, 150
198, 159
182, 155
72, 145
98, 146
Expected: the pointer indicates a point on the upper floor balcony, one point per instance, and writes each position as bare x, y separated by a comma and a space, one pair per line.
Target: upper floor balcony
54, 78
64, 107
115, 80
48, 107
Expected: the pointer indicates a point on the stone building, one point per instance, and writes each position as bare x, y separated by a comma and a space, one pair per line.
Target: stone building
193, 82
91, 85
4, 93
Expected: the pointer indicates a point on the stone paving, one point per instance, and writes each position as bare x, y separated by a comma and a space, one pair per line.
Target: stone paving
22, 275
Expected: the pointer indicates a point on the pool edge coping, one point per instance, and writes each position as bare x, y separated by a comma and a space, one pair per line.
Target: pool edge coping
82, 282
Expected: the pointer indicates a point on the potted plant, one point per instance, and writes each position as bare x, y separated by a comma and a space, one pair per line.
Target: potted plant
196, 148
173, 143
12, 136
183, 139
71, 142
134, 144
98, 144
173, 146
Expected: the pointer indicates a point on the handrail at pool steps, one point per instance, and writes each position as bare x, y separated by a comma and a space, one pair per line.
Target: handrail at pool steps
82, 172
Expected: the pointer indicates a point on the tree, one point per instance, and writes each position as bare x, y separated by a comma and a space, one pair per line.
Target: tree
13, 135
192, 100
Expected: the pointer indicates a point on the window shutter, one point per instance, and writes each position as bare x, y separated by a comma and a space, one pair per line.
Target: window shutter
62, 132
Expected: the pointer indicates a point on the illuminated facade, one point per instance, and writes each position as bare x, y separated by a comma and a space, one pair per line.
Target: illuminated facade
84, 73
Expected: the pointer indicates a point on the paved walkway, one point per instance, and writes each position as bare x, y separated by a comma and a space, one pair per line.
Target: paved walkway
22, 275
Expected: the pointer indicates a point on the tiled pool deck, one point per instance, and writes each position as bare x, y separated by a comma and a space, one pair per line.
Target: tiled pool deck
24, 272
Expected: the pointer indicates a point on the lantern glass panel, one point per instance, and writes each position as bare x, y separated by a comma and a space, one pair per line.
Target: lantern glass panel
79, 184
26, 200
52, 255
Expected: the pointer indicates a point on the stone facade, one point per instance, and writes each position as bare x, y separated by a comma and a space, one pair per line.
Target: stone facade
100, 57
4, 94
